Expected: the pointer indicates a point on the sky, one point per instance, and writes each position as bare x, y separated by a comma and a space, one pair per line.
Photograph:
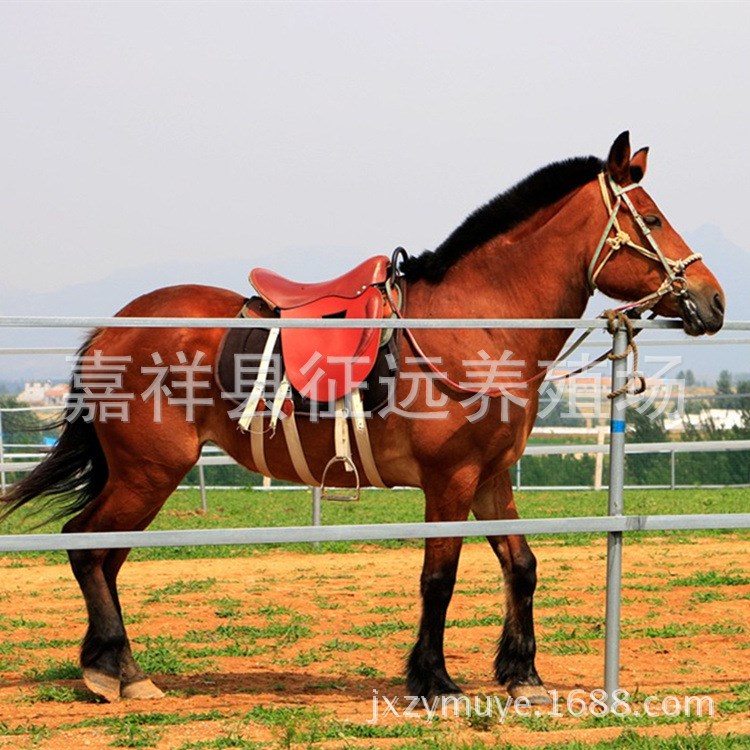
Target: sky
310, 135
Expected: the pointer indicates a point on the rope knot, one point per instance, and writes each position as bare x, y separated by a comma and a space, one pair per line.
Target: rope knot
635, 382
620, 239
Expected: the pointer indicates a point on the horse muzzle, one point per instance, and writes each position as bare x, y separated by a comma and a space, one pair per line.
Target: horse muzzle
702, 309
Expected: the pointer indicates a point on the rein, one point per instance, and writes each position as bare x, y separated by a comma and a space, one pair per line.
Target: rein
674, 283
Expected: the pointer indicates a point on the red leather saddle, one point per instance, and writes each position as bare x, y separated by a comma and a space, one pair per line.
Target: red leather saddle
325, 364
285, 294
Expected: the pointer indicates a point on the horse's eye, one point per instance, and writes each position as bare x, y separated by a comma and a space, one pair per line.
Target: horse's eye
652, 221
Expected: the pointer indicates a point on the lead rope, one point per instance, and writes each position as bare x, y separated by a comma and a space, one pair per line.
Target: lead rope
616, 320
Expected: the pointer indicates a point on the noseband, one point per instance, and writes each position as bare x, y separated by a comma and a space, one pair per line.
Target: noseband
674, 283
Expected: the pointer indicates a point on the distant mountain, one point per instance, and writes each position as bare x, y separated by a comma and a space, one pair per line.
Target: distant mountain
729, 262
108, 295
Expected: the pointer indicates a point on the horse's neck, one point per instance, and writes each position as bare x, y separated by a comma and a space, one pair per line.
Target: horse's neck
536, 271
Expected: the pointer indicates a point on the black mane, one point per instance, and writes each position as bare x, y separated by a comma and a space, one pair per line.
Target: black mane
540, 189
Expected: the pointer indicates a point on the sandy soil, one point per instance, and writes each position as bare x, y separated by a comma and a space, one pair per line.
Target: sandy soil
341, 626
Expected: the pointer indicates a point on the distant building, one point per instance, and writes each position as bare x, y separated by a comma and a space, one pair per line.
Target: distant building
56, 395
721, 419
43, 393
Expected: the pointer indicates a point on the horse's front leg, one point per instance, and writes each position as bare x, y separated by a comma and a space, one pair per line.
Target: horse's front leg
427, 675
514, 663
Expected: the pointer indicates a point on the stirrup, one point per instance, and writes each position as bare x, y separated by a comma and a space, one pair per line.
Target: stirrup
340, 494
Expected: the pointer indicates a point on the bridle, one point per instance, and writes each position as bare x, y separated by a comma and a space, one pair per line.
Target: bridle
674, 283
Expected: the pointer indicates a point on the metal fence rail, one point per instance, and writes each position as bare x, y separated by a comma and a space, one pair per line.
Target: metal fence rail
12, 460
31, 321
615, 524
368, 532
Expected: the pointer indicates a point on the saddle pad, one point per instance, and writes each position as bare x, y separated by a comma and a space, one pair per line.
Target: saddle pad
327, 363
250, 342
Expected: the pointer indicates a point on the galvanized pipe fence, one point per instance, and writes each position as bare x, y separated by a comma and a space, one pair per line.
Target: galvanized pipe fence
30, 455
614, 525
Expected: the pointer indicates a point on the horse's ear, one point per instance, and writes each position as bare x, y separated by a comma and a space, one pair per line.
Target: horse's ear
618, 161
638, 164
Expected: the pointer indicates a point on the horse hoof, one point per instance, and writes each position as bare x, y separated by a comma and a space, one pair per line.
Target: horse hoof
141, 690
536, 695
102, 684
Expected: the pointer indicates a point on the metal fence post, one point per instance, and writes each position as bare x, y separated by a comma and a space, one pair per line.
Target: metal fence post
673, 469
2, 456
614, 539
202, 483
317, 497
518, 475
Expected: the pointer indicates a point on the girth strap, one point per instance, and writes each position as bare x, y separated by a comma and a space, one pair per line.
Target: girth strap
294, 446
362, 438
256, 444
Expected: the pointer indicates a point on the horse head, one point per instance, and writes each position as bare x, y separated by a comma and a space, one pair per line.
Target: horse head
641, 257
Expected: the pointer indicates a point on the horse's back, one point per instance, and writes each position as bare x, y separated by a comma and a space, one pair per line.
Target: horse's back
185, 301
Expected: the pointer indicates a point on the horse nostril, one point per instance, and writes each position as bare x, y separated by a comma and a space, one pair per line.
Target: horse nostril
718, 304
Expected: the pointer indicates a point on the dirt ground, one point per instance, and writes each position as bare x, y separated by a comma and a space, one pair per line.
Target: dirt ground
235, 641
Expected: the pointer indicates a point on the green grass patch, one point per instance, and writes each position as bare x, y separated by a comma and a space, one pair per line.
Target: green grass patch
343, 729
627, 740
543, 602
711, 578
56, 670
274, 610
726, 628
22, 622
364, 670
566, 618
178, 588
308, 657
226, 740
243, 508
282, 632
227, 607
381, 610
165, 654
157, 719
61, 694
339, 646
41, 644
378, 629
642, 720
580, 632
476, 621
709, 595
37, 732
569, 648
671, 630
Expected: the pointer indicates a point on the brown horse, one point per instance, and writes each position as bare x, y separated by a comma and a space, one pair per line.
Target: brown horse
537, 250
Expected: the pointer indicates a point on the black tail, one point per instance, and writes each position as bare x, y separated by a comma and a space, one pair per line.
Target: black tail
69, 478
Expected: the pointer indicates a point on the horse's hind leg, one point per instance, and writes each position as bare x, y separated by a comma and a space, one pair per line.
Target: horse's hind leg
134, 682
514, 663
127, 503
